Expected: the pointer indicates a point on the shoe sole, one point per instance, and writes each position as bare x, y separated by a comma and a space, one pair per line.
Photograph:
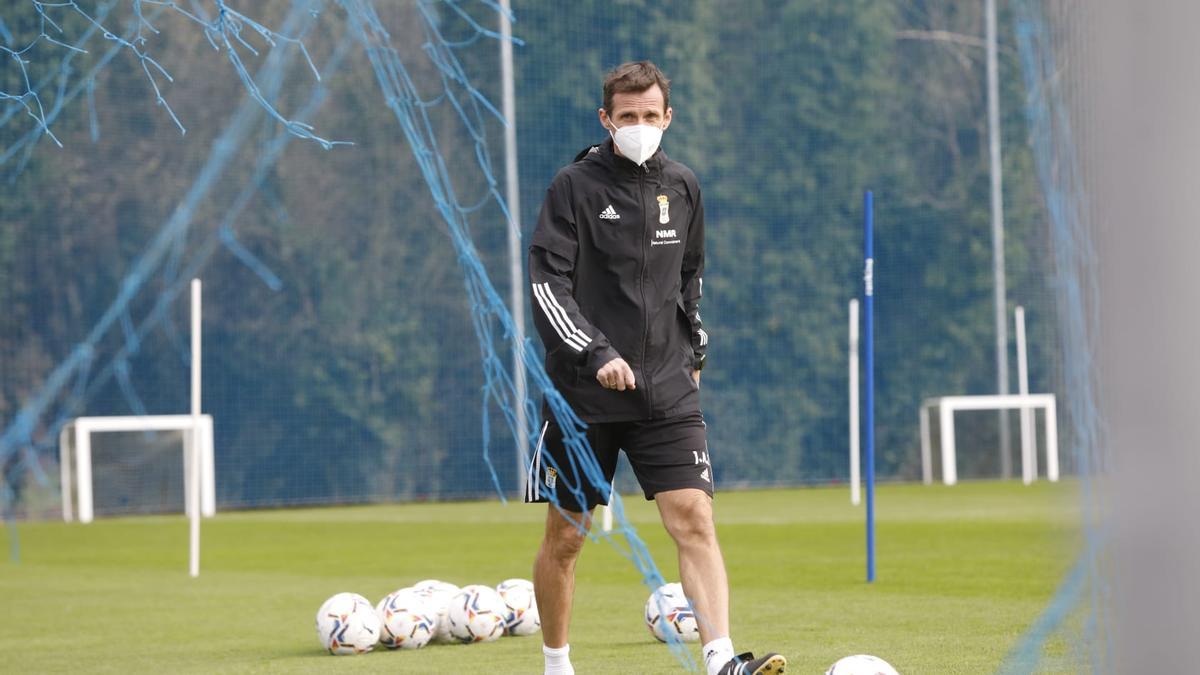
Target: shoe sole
773, 666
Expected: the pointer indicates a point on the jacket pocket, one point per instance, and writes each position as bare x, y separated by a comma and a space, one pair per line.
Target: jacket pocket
563, 366
685, 344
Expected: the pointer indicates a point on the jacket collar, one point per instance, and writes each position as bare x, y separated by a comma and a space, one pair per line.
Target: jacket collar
605, 154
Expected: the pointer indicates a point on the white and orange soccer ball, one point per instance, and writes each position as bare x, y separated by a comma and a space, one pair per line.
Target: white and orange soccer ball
861, 664
408, 619
476, 614
347, 624
669, 613
439, 593
522, 617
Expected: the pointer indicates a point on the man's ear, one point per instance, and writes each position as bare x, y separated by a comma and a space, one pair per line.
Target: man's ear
603, 115
667, 118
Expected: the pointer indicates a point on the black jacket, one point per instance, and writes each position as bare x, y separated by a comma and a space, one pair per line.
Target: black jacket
615, 267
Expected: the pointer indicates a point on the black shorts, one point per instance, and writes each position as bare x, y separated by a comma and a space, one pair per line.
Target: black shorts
666, 454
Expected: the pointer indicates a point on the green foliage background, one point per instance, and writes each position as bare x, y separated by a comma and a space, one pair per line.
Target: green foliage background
360, 379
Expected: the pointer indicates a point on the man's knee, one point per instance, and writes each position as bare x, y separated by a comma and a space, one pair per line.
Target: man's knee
565, 536
693, 529
564, 546
687, 515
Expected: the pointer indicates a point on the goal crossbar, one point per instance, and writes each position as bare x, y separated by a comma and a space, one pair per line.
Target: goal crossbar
75, 438
948, 405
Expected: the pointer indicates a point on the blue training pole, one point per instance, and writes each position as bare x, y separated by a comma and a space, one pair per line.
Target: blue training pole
869, 307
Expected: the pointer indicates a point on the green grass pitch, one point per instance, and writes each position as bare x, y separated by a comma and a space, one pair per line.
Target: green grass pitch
962, 572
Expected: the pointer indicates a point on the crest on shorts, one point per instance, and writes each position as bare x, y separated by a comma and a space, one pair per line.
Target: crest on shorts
551, 477
664, 210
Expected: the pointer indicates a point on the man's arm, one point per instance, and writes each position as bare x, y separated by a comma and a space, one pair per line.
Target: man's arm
565, 332
692, 284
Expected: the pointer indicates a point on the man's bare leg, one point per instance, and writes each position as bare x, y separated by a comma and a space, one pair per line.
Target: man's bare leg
554, 573
688, 517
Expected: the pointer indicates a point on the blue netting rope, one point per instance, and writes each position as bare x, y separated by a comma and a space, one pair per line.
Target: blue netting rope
77, 378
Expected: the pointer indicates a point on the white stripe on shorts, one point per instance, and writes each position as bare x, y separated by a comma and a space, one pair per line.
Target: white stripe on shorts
532, 490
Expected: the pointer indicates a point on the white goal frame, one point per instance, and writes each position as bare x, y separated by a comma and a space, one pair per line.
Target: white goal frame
76, 435
948, 405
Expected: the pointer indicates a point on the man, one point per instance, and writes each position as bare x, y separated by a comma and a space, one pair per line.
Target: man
615, 266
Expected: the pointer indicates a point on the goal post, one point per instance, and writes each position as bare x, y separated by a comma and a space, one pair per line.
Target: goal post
193, 466
75, 449
948, 405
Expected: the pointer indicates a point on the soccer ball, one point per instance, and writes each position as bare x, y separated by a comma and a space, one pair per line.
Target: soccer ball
476, 614
408, 620
382, 601
347, 624
522, 617
435, 586
861, 664
667, 609
439, 593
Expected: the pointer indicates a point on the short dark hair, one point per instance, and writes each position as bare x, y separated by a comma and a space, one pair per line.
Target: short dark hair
633, 77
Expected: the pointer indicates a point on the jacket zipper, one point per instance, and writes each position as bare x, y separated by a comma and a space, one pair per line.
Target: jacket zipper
642, 288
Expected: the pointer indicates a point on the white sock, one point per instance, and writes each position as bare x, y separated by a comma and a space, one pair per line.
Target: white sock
558, 660
716, 654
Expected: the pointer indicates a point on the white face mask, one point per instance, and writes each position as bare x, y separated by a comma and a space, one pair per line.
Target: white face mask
637, 142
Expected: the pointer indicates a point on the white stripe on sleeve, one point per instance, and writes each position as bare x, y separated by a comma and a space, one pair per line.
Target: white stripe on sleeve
576, 343
566, 317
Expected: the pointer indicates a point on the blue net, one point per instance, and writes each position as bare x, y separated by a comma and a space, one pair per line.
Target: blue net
491, 319
333, 303
1054, 42
457, 197
336, 189
156, 275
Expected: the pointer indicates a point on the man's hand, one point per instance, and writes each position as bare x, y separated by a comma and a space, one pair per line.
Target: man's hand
616, 374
